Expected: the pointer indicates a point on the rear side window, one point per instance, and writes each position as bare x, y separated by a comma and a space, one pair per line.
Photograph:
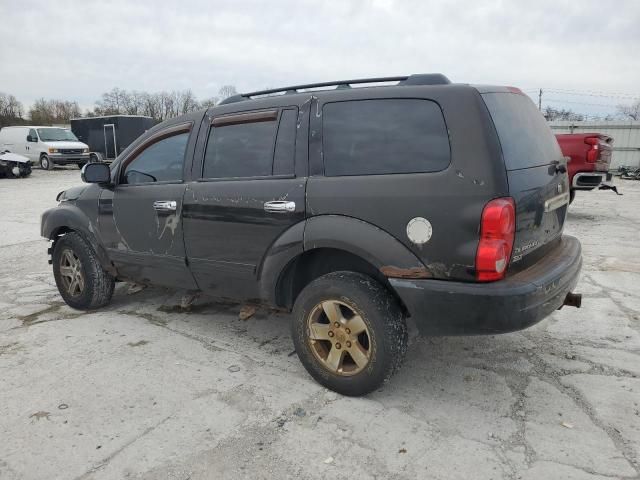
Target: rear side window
284, 156
250, 148
240, 150
376, 137
525, 136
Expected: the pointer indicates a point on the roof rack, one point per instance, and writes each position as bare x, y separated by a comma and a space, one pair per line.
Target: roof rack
416, 79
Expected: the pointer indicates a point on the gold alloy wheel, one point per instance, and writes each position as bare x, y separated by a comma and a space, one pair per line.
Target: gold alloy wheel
339, 338
71, 273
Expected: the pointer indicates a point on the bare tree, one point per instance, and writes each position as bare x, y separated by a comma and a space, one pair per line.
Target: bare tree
113, 102
159, 106
227, 91
47, 112
551, 113
631, 111
209, 102
10, 110
187, 102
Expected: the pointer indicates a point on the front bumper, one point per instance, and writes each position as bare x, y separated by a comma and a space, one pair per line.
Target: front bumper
442, 307
62, 158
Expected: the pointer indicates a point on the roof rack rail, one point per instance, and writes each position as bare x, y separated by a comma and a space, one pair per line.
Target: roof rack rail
417, 79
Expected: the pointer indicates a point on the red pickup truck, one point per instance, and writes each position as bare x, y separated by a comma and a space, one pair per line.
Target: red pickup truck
590, 155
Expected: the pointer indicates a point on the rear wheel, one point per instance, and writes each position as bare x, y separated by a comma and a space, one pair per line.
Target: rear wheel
81, 280
349, 332
45, 162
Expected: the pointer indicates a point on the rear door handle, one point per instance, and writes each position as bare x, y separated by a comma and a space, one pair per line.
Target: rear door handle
165, 205
279, 206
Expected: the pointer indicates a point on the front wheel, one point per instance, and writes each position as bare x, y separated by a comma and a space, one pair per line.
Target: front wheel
46, 163
81, 280
572, 196
349, 332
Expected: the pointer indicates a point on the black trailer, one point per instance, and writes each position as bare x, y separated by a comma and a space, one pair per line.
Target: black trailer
108, 136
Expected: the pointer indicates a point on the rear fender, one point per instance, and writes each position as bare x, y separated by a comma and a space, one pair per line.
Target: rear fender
360, 238
367, 241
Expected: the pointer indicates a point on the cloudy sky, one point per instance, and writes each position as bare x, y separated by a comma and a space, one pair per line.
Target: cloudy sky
76, 50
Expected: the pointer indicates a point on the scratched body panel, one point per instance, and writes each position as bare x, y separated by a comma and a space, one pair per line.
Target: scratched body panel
146, 245
452, 199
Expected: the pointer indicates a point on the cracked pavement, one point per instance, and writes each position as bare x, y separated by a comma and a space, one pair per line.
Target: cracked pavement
144, 389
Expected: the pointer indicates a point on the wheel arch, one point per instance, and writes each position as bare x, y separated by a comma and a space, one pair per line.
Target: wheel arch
57, 222
330, 243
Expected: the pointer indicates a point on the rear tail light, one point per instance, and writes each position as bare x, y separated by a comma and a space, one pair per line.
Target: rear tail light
497, 231
594, 149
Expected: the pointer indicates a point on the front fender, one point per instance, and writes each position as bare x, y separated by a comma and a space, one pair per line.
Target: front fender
69, 217
365, 240
64, 216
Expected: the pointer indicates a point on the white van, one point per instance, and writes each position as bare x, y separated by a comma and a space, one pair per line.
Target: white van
45, 145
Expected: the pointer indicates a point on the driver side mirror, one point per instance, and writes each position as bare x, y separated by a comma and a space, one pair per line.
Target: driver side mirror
96, 173
31, 139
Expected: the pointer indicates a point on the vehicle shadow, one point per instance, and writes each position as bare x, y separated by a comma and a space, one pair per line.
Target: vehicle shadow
482, 366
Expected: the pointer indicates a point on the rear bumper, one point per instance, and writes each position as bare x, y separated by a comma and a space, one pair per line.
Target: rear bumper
588, 180
514, 303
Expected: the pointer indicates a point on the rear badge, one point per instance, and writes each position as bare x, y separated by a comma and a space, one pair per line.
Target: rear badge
419, 230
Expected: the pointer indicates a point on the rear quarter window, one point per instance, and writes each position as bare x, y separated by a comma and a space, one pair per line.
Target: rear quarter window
376, 137
525, 137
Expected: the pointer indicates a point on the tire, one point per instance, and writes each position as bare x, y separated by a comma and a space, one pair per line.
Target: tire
361, 301
25, 169
81, 164
96, 288
572, 196
45, 162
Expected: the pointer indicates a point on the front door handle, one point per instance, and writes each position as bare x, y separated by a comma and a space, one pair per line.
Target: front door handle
165, 205
279, 206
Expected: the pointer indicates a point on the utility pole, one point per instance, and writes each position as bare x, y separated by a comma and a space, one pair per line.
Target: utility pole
540, 100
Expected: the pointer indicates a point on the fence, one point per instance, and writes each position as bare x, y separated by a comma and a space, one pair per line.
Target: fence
625, 134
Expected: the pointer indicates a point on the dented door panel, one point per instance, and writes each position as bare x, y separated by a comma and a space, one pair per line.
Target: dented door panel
146, 244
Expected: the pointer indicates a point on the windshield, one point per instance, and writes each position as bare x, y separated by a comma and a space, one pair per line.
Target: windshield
56, 135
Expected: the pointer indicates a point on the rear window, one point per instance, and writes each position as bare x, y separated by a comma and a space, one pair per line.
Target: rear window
525, 137
376, 137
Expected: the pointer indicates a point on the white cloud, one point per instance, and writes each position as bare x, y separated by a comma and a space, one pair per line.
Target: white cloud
79, 49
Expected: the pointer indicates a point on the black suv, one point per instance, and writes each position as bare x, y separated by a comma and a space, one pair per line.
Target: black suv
353, 206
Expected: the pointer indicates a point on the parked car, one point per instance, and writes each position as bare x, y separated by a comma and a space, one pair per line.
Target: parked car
108, 136
13, 165
354, 208
590, 155
47, 146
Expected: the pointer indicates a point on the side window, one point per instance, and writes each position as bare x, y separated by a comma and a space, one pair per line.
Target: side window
374, 137
254, 144
240, 149
32, 133
162, 161
284, 156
